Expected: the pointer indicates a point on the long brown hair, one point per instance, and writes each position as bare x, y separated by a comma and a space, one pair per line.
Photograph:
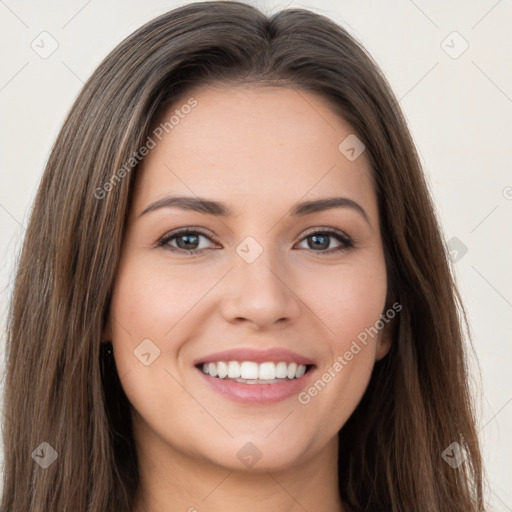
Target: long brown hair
62, 388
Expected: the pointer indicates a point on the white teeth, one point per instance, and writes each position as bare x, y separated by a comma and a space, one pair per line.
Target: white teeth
212, 369
251, 371
267, 371
233, 369
281, 370
291, 371
222, 369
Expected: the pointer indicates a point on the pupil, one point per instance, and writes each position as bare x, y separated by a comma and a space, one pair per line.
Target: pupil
187, 243
324, 245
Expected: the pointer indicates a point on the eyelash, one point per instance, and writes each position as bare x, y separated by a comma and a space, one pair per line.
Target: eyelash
347, 243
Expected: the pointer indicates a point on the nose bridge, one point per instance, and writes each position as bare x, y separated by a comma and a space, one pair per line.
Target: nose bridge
259, 290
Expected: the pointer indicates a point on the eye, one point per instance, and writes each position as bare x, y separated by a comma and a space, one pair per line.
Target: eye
187, 241
321, 239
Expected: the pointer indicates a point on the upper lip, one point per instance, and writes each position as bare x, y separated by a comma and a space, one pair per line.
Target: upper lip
256, 355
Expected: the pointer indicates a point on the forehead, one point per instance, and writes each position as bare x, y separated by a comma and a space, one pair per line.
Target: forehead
261, 146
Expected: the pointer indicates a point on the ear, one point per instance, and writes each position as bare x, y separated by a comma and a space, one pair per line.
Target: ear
385, 339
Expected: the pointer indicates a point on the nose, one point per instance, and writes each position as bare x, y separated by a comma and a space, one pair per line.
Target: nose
260, 293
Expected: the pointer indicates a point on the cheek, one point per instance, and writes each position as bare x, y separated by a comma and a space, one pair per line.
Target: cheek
349, 301
149, 301
153, 311
145, 307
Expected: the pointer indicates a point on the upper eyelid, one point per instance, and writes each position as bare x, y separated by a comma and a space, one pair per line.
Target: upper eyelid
182, 231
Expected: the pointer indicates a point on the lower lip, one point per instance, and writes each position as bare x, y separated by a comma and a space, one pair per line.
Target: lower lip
257, 393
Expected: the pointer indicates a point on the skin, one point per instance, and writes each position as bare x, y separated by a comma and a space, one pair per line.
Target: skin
260, 151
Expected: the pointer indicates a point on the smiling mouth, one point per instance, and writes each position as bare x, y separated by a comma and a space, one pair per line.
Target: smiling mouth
250, 372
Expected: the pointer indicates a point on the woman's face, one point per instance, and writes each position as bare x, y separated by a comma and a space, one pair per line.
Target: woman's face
277, 283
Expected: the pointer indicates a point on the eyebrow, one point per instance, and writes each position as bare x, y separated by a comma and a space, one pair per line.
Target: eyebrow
210, 207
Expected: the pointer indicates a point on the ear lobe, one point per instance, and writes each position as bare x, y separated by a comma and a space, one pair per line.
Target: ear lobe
107, 331
384, 340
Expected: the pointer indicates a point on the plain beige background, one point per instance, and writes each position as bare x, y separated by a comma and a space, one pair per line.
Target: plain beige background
449, 63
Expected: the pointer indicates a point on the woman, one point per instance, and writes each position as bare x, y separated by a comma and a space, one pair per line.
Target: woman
233, 290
